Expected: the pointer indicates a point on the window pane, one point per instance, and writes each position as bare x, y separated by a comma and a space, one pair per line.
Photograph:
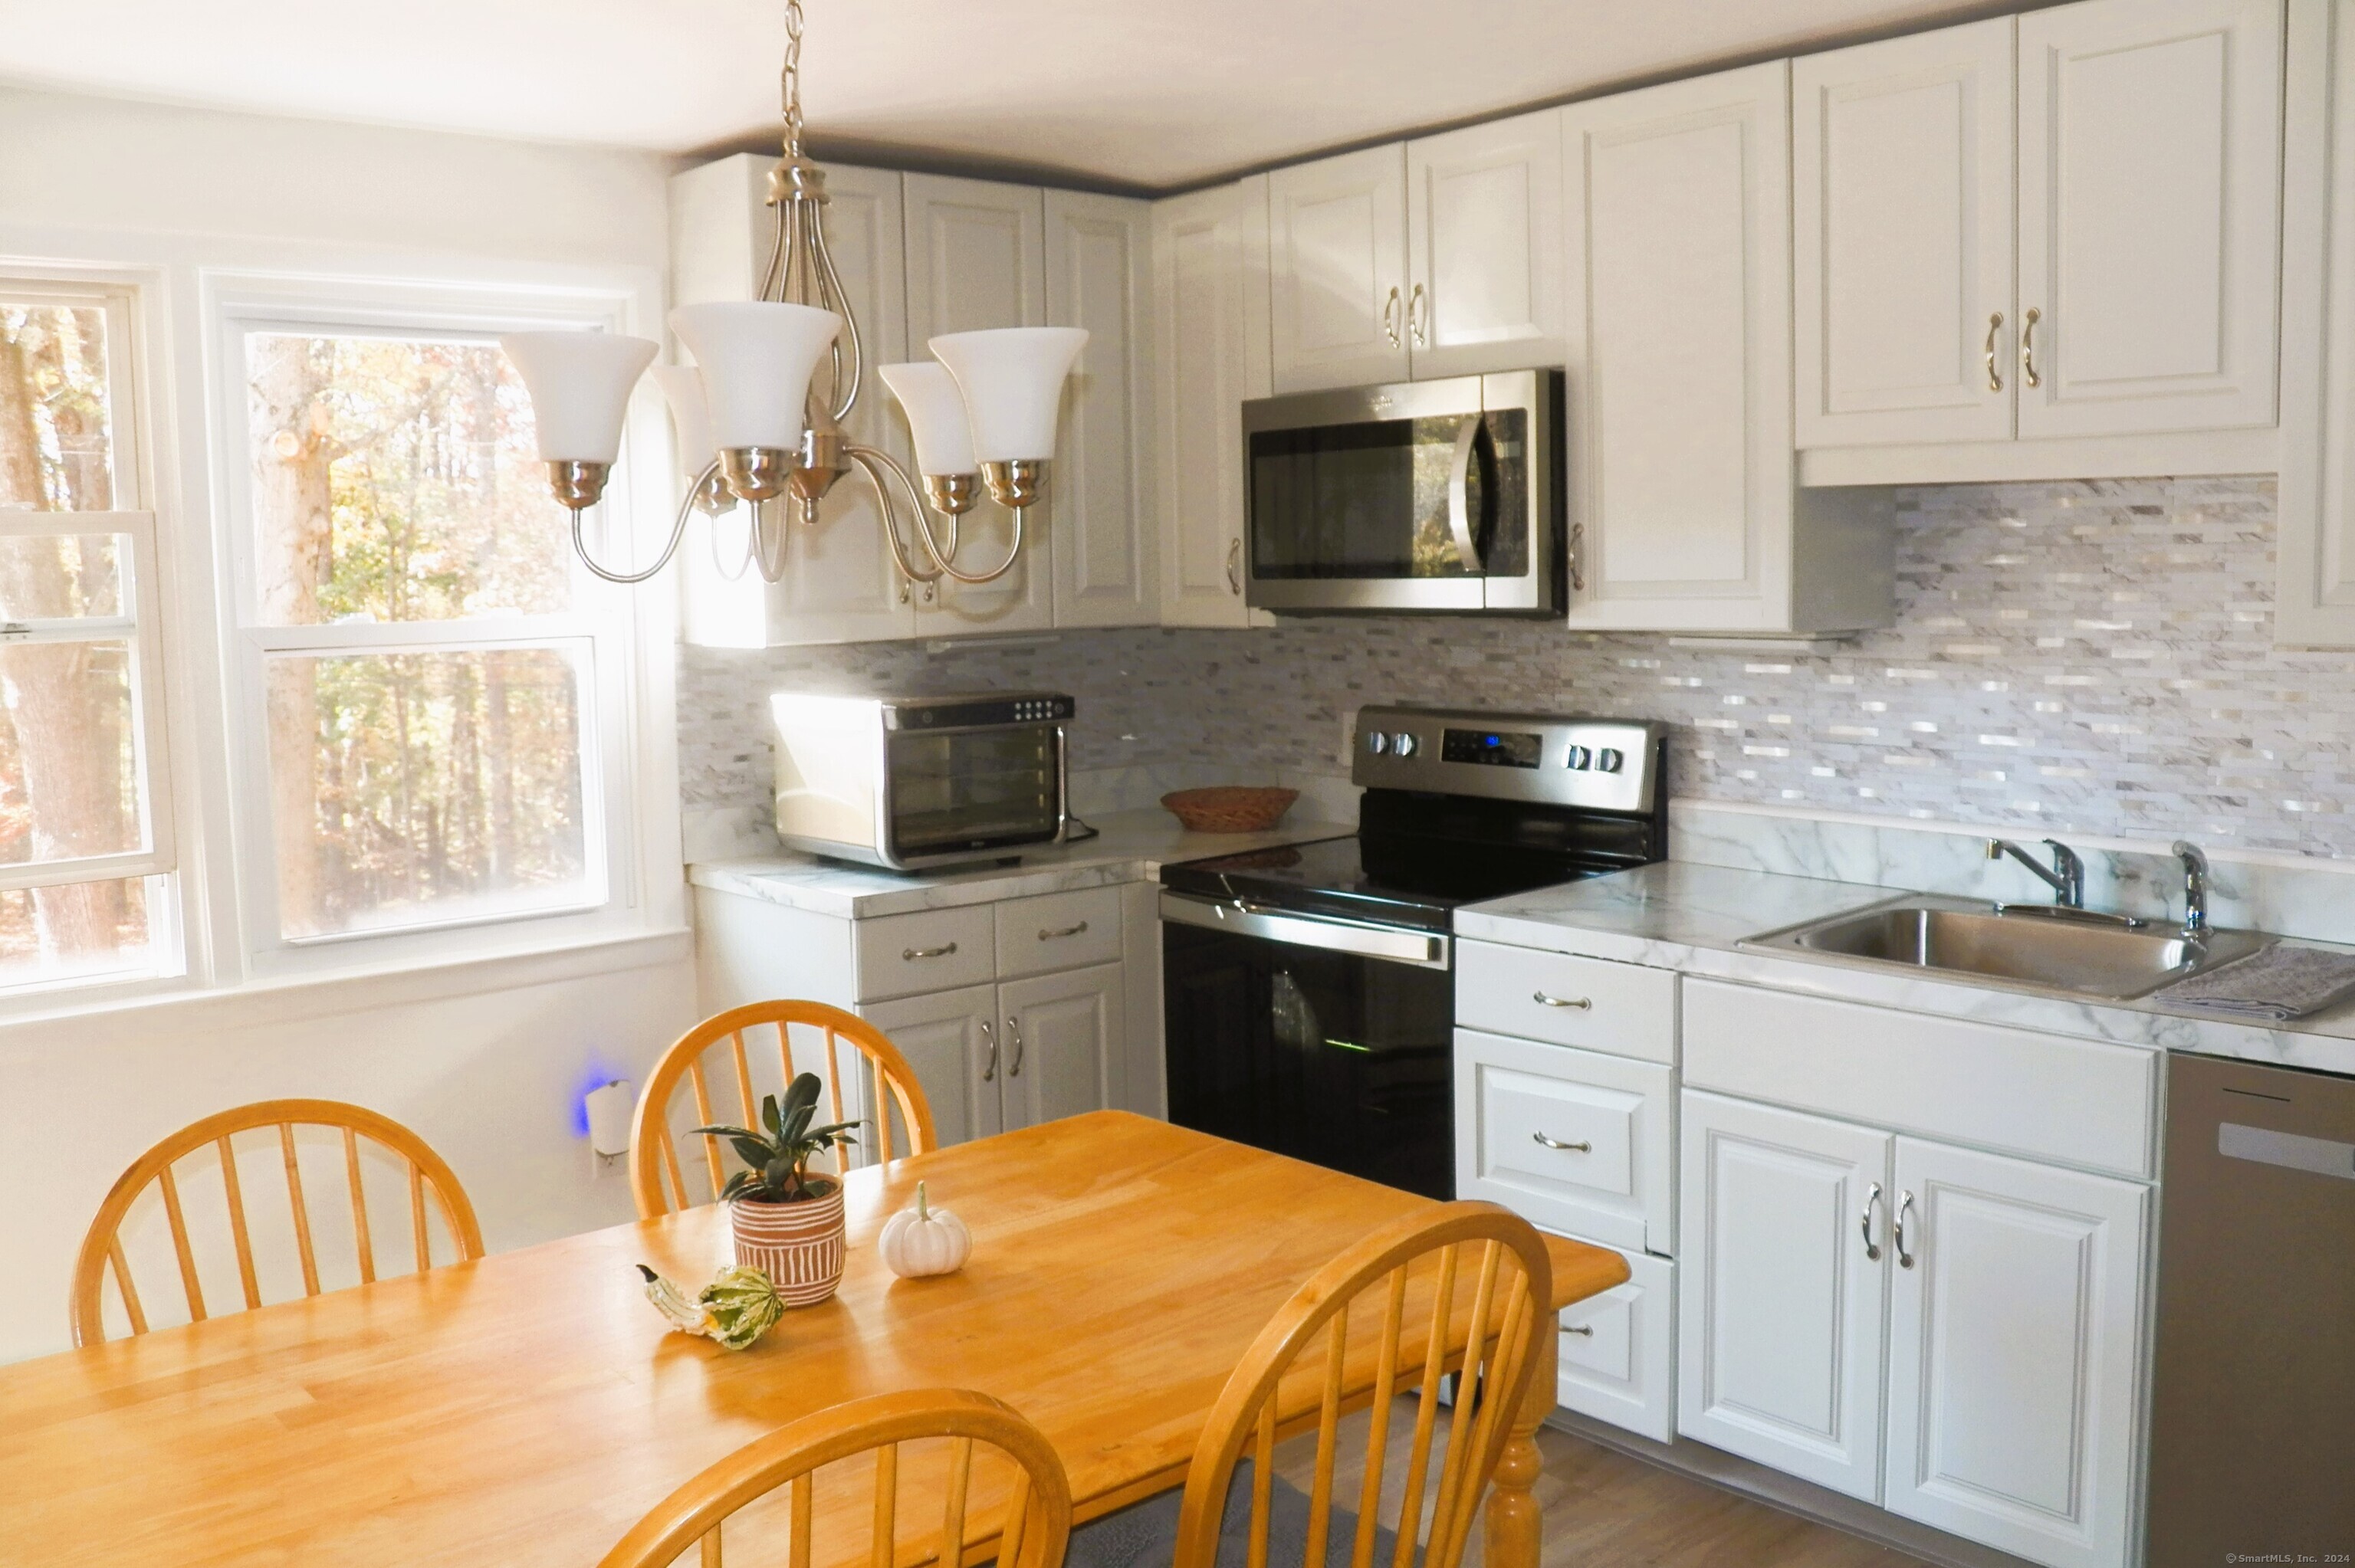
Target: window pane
56, 451
397, 480
79, 930
69, 756
56, 575
415, 787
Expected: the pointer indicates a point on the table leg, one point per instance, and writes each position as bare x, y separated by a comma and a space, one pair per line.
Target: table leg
1515, 1528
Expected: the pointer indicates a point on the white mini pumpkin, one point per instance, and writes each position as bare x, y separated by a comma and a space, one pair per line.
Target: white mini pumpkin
924, 1240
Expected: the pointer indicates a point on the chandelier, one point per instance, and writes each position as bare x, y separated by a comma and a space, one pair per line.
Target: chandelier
763, 427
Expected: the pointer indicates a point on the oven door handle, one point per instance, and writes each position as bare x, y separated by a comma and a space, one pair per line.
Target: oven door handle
1424, 950
1459, 495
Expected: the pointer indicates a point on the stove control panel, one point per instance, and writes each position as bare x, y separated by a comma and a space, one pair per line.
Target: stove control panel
1607, 765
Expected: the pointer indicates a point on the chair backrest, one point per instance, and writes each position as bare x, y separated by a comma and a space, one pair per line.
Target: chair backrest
657, 1180
103, 1250
1032, 1528
1470, 1282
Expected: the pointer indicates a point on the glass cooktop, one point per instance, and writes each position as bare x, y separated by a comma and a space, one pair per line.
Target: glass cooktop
1410, 882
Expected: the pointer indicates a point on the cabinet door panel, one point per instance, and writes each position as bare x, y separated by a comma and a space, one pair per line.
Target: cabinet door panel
1098, 264
1338, 280
1060, 1036
1902, 235
1484, 209
2015, 1355
977, 258
1780, 1318
950, 1038
2150, 200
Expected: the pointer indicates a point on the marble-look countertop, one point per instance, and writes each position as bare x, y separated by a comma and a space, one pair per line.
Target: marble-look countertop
1130, 846
1691, 917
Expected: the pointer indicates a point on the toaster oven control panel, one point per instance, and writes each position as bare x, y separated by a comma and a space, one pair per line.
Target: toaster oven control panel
978, 711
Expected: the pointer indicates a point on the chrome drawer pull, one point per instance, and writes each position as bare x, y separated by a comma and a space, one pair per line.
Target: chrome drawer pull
1864, 1222
912, 954
1586, 1328
1557, 1143
1904, 1207
989, 1037
1014, 1033
1583, 1004
1047, 936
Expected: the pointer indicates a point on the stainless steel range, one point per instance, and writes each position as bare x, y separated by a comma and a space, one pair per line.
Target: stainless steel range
1308, 991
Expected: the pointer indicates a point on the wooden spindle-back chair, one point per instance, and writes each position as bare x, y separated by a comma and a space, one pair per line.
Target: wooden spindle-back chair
101, 1249
1030, 1534
1472, 1276
655, 1176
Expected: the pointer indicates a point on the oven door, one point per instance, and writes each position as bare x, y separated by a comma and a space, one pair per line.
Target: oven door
1325, 1040
961, 794
1429, 495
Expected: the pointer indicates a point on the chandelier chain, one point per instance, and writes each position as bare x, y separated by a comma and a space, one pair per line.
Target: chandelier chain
791, 82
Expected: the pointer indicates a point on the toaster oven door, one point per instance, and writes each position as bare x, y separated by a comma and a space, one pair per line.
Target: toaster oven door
954, 795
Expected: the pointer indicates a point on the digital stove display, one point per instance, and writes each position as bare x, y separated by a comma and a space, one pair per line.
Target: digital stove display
1494, 748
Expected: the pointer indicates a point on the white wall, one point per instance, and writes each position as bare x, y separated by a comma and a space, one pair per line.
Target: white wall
486, 1059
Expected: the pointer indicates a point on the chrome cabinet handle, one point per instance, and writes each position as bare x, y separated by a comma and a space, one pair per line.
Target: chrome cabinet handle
1557, 1143
1047, 936
1390, 318
1995, 378
1234, 567
911, 955
989, 1035
1418, 318
1014, 1033
1864, 1221
1586, 1328
2028, 347
1577, 566
1897, 1235
1583, 1004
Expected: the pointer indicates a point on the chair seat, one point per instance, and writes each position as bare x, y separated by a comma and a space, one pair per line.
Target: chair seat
1145, 1535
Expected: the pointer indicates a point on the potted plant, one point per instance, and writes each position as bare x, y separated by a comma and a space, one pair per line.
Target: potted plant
788, 1223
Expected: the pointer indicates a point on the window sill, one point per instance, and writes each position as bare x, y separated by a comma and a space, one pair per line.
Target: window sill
130, 1014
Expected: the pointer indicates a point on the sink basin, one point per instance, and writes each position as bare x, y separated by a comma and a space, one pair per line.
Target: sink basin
1957, 936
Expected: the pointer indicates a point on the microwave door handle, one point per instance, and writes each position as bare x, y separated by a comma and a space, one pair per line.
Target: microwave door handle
1459, 496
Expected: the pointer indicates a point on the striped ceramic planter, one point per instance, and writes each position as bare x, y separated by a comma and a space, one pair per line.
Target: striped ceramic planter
797, 1246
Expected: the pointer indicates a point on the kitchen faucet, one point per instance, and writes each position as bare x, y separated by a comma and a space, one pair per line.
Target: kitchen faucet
2067, 877
2195, 890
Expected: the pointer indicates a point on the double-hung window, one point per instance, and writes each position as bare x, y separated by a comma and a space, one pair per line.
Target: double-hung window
85, 818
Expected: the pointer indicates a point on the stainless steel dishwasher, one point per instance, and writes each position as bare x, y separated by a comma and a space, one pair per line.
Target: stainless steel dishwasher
2252, 1435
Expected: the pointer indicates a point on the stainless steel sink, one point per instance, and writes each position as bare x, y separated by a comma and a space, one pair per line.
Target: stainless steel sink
1957, 937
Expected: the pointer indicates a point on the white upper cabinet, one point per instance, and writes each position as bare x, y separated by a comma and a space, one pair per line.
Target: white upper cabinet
2316, 603
1682, 511
1099, 490
1901, 239
1210, 354
1484, 259
1337, 284
977, 258
840, 584
2149, 187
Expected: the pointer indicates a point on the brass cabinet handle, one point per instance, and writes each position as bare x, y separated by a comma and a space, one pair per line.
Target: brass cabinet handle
1557, 1143
1234, 567
1583, 1004
1995, 378
1390, 318
2028, 347
1586, 1328
990, 1036
1418, 318
1014, 1033
1864, 1221
910, 954
1047, 936
1897, 1235
1577, 566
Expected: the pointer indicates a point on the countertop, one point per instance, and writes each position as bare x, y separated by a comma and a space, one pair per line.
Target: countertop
1692, 917
1130, 846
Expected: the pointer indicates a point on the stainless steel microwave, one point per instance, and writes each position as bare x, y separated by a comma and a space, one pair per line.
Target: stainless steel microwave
1423, 495
912, 783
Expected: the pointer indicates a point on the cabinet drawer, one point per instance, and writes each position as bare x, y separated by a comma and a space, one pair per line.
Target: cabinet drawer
1058, 931
1618, 1352
1624, 1009
1571, 1141
932, 950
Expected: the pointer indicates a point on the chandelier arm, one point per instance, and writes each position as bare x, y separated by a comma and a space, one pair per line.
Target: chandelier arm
718, 562
1013, 554
846, 393
677, 532
773, 546
771, 276
870, 460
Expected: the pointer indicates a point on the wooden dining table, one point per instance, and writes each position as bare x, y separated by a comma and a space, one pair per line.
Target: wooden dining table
528, 1408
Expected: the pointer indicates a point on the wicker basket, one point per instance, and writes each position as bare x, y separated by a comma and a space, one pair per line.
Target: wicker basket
1229, 808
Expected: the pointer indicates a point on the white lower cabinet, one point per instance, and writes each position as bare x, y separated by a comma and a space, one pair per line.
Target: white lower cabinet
949, 1037
1618, 1356
1573, 1140
1059, 1039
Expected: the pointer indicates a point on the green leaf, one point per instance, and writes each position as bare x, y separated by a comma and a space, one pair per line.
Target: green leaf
769, 1114
797, 1121
723, 1131
779, 1175
754, 1151
736, 1185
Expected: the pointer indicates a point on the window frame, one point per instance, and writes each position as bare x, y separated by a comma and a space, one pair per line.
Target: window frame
598, 634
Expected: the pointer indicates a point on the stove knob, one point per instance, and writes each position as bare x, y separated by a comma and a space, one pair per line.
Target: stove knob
1377, 742
1403, 744
1579, 756
1608, 760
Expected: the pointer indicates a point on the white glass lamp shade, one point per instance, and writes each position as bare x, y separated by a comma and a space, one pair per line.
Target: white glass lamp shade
936, 416
1012, 378
580, 384
682, 388
756, 357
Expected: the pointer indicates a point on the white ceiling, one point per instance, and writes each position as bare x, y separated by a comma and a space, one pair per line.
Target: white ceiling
1153, 93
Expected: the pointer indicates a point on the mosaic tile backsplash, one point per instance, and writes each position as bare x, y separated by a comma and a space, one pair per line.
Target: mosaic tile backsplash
2092, 656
